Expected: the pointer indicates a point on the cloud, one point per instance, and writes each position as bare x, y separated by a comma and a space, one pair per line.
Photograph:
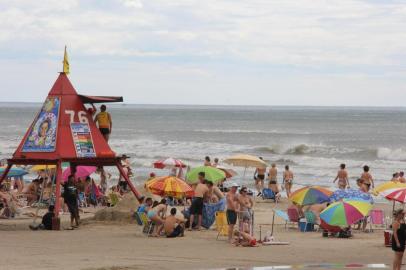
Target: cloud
213, 38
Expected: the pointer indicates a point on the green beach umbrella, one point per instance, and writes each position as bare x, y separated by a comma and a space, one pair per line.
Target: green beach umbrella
212, 174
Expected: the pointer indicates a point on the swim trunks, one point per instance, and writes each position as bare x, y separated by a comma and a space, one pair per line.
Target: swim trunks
272, 182
176, 232
231, 217
261, 176
104, 131
197, 206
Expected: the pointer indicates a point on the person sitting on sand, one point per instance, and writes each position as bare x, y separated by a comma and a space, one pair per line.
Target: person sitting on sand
243, 237
214, 195
288, 180
259, 177
201, 191
232, 208
207, 161
366, 176
342, 177
144, 207
157, 215
46, 223
401, 178
174, 226
246, 204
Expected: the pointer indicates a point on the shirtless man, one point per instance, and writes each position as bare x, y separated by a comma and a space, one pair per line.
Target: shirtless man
232, 209
214, 195
401, 178
288, 180
367, 177
246, 204
174, 226
259, 177
207, 161
342, 177
196, 208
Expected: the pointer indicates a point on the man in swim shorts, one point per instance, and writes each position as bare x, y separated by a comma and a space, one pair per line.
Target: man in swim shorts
232, 206
196, 208
104, 121
259, 177
173, 226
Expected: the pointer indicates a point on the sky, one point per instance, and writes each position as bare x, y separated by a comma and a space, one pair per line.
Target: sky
214, 52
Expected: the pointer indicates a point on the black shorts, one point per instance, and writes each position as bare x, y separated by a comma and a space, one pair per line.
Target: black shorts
197, 206
176, 232
73, 207
272, 182
104, 131
261, 176
231, 217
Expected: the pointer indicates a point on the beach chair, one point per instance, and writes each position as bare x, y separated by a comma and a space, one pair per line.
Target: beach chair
377, 217
113, 199
142, 220
293, 215
283, 215
310, 218
268, 194
221, 224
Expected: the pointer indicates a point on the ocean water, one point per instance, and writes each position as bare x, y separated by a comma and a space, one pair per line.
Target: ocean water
312, 140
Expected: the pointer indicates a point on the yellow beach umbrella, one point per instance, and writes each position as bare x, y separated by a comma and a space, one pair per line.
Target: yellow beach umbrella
388, 185
37, 168
246, 161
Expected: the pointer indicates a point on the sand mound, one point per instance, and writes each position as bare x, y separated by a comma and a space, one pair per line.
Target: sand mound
122, 212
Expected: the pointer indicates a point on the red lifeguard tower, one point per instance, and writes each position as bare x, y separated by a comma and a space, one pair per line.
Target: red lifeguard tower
64, 131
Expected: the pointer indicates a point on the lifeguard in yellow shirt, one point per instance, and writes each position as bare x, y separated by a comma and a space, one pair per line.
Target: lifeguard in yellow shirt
104, 121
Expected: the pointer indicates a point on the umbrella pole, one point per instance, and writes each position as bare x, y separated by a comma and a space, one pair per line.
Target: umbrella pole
393, 207
273, 222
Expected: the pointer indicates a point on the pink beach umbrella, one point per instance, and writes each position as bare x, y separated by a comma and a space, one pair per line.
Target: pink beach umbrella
169, 163
81, 171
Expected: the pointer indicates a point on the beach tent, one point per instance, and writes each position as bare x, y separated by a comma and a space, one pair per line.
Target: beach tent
64, 131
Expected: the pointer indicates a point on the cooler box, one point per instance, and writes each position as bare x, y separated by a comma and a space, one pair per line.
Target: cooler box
388, 238
304, 226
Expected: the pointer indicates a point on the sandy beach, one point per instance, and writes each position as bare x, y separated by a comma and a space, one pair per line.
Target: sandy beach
121, 245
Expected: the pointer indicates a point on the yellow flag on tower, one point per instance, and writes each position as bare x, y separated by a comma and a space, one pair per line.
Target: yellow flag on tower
65, 63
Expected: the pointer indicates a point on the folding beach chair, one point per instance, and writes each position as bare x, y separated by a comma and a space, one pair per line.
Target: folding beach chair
221, 224
268, 194
310, 218
142, 220
293, 215
283, 215
377, 217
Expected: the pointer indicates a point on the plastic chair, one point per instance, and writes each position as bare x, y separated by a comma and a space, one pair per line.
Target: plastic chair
377, 217
221, 224
283, 215
310, 218
113, 199
293, 214
142, 220
268, 194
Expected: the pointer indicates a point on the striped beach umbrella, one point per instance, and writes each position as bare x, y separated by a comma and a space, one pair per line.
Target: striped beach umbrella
169, 163
310, 195
388, 185
169, 186
346, 212
395, 194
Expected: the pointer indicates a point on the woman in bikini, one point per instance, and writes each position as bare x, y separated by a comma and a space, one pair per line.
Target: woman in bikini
288, 180
157, 215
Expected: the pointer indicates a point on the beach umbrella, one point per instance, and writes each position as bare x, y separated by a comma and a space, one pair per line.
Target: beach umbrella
37, 168
353, 194
395, 195
310, 195
169, 186
388, 185
229, 172
346, 212
169, 163
81, 172
246, 161
14, 172
212, 174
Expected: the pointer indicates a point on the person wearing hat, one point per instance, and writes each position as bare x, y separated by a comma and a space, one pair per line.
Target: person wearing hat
232, 208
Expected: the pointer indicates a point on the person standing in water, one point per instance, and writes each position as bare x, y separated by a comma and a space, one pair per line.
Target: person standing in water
401, 178
288, 180
104, 121
259, 177
367, 177
342, 177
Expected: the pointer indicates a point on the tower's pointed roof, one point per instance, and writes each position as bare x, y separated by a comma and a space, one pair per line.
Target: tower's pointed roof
63, 129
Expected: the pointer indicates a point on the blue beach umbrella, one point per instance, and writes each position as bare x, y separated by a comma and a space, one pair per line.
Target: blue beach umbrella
14, 172
353, 194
